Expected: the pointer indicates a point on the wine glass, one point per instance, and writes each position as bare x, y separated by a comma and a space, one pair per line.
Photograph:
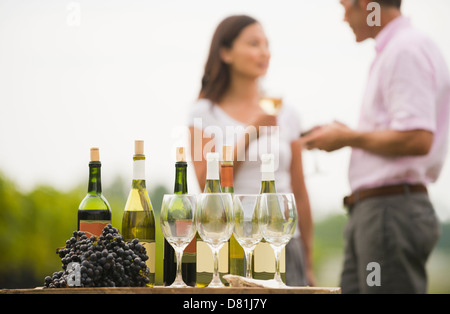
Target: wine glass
271, 105
177, 220
278, 222
270, 100
247, 231
214, 220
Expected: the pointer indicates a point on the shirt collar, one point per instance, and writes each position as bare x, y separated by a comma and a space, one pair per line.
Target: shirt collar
389, 31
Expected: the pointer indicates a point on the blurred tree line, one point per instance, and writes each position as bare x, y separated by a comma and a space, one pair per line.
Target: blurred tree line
33, 225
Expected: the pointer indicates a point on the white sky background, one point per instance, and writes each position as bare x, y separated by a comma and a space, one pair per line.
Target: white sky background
131, 69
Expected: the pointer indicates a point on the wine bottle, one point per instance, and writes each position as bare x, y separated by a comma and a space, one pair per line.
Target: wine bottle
94, 212
188, 265
138, 218
212, 174
205, 264
236, 252
267, 174
263, 257
226, 170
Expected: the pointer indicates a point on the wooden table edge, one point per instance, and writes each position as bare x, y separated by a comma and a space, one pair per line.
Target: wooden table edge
164, 290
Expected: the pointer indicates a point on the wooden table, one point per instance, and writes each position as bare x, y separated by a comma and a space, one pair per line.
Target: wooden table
185, 291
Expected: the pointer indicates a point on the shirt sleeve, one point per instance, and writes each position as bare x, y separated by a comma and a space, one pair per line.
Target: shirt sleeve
411, 93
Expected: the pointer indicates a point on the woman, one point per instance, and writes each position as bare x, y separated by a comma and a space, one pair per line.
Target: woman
229, 100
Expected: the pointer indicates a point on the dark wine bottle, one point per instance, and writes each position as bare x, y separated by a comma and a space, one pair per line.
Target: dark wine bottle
94, 212
188, 265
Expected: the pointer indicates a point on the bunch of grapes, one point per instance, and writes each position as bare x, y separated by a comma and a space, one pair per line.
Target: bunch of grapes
106, 261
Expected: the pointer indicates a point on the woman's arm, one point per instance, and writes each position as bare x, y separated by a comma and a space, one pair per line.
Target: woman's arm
305, 221
197, 146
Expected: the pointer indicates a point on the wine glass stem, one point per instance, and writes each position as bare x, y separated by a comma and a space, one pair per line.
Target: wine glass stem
277, 251
248, 257
179, 255
216, 277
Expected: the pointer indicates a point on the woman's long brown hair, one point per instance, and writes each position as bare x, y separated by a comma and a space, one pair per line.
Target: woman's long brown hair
216, 78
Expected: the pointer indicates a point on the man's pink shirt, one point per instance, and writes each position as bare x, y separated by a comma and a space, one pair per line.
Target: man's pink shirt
408, 89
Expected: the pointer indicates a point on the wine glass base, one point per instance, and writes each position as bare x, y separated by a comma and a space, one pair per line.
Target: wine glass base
178, 285
280, 284
216, 284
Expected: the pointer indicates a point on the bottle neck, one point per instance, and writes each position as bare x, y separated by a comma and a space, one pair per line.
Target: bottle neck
268, 187
139, 167
268, 182
226, 177
181, 178
212, 177
95, 181
212, 170
267, 176
212, 186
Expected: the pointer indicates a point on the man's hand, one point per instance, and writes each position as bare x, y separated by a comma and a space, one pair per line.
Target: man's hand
329, 137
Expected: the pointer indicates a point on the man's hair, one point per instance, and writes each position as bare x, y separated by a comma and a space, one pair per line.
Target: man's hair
387, 3
390, 3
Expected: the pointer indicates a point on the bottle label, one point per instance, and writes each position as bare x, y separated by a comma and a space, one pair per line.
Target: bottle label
205, 260
264, 261
139, 170
227, 176
150, 247
192, 247
212, 168
205, 263
93, 227
183, 227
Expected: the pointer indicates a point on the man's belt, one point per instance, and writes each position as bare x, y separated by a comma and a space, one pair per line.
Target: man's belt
383, 191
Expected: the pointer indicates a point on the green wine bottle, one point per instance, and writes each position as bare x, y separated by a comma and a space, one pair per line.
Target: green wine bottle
138, 218
263, 257
188, 265
236, 252
94, 212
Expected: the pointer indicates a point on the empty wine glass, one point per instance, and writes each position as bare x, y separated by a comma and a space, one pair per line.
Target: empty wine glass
214, 220
278, 222
177, 220
247, 231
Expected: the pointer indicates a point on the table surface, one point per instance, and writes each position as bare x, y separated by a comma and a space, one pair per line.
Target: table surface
164, 290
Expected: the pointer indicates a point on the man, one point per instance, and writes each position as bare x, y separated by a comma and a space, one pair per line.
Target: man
398, 148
